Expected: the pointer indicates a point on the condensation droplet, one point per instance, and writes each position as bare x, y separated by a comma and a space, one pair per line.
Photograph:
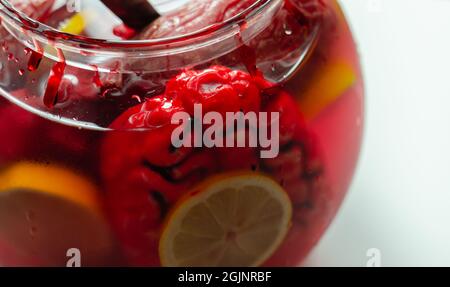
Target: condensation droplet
273, 68
33, 230
5, 47
111, 93
287, 30
137, 98
30, 215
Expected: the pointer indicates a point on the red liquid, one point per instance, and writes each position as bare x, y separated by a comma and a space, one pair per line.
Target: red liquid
97, 80
54, 80
141, 177
34, 61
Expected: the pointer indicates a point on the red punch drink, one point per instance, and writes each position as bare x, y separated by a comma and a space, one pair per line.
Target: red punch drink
223, 133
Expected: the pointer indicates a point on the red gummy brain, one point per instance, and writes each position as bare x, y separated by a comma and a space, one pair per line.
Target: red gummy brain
199, 14
195, 15
144, 174
275, 50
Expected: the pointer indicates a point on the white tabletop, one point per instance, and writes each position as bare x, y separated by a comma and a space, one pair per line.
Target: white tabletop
400, 199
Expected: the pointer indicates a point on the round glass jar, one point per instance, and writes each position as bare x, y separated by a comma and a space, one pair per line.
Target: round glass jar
93, 161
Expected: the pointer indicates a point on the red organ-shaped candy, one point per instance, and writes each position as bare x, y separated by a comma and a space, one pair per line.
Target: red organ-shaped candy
217, 89
194, 16
272, 51
142, 170
145, 175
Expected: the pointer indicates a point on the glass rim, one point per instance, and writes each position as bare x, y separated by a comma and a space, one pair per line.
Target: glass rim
37, 28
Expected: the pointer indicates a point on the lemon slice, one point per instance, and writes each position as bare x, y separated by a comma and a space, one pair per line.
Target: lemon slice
230, 220
75, 25
45, 210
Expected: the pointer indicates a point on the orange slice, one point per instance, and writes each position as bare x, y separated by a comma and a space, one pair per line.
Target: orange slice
45, 210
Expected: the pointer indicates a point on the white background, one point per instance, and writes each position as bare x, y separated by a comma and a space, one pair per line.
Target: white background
400, 198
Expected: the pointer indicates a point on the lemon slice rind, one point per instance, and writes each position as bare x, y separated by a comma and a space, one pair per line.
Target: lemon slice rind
197, 231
